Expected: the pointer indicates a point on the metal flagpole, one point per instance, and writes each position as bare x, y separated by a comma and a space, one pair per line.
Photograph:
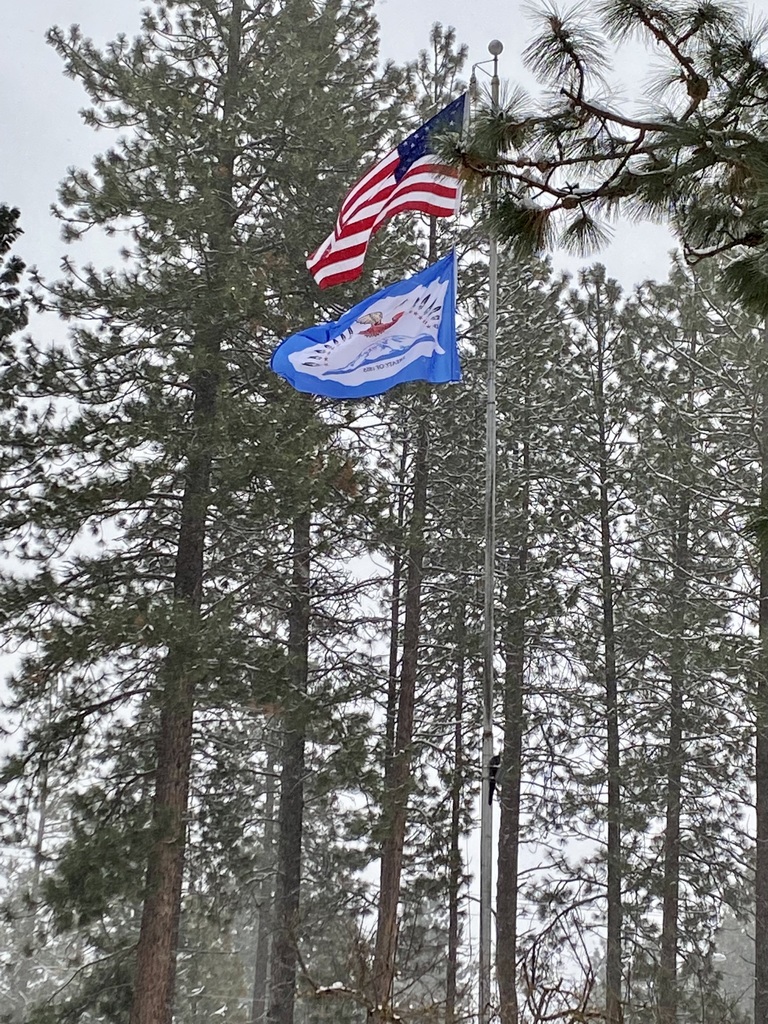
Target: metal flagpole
486, 812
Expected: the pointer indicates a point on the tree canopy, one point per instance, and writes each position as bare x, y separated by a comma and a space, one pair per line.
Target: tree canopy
695, 156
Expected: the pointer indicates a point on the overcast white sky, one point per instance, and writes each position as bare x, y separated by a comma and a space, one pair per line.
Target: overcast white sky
42, 134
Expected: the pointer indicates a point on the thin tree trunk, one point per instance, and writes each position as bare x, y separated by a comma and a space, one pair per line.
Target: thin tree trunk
613, 1004
512, 760
397, 575
669, 928
397, 775
454, 872
155, 976
614, 921
667, 983
27, 928
259, 992
761, 730
282, 987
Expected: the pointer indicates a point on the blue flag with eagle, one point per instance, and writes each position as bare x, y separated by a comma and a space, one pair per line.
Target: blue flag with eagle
404, 332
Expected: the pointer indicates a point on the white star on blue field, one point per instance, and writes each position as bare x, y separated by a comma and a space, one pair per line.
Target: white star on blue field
417, 145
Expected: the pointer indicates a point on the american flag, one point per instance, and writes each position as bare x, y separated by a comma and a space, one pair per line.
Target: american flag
409, 178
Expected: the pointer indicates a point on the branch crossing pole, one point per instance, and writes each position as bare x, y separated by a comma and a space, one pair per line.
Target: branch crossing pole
486, 811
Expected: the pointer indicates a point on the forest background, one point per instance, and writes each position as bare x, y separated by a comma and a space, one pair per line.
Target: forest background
341, 549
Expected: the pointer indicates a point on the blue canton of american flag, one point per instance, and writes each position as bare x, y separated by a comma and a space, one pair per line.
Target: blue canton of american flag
410, 177
416, 146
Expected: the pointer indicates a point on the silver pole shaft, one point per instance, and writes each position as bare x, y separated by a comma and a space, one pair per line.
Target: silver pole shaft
486, 812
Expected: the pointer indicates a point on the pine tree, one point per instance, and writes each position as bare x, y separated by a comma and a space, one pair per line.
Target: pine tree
738, 340
696, 159
151, 460
595, 589
599, 305
687, 644
531, 404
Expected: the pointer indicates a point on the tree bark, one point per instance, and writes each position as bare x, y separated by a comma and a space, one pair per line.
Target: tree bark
397, 775
27, 926
667, 978
671, 883
514, 639
761, 728
613, 1002
455, 865
155, 976
282, 986
259, 993
397, 577
158, 939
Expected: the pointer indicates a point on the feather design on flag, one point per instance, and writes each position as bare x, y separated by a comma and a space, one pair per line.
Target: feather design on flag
410, 177
404, 332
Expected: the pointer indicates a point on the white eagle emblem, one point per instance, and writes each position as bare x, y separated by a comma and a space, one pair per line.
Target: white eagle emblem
393, 332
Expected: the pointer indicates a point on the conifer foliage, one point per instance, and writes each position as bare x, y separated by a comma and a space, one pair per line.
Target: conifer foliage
154, 427
695, 159
13, 311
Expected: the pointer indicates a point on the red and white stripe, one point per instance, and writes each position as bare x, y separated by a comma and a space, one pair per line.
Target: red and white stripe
428, 186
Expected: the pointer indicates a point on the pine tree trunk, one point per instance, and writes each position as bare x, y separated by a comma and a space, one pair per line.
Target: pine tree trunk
27, 926
397, 575
509, 827
512, 763
761, 731
282, 987
259, 991
613, 1009
155, 976
397, 776
614, 921
454, 873
158, 939
667, 981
